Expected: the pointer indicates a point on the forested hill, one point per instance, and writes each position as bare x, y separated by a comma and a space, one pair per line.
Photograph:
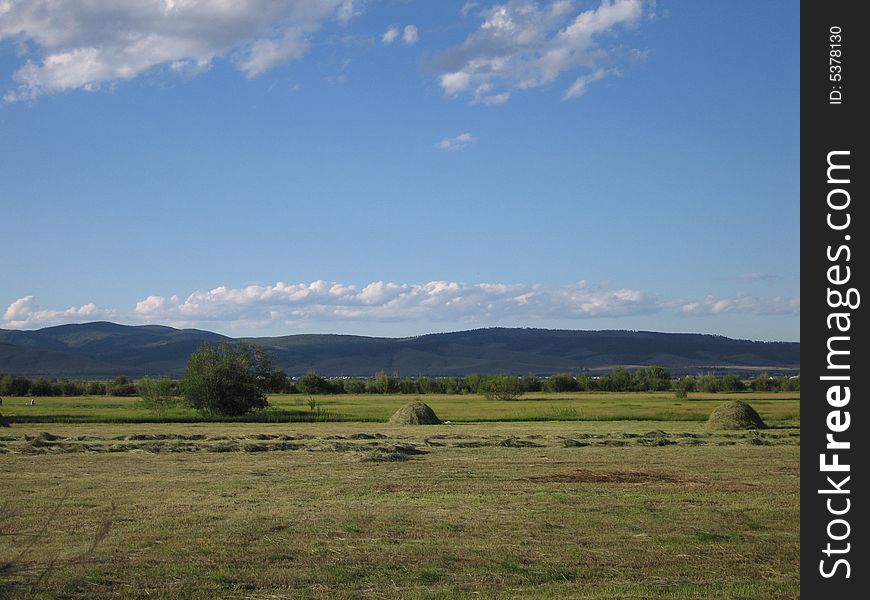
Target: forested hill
94, 350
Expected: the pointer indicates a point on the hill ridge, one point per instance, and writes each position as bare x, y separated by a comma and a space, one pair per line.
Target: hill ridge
105, 349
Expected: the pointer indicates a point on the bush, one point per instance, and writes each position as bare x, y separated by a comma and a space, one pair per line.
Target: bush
96, 388
43, 387
121, 386
354, 386
683, 386
502, 387
226, 380
157, 395
72, 388
12, 385
561, 382
531, 383
312, 383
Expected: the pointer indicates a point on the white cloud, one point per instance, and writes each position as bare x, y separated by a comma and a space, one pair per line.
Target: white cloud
389, 301
410, 35
25, 313
457, 142
578, 88
713, 305
282, 305
82, 45
522, 44
390, 35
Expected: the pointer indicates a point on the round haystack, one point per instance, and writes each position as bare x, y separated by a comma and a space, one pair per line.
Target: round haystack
415, 413
735, 414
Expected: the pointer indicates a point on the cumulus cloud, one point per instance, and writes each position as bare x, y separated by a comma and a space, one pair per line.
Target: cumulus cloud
522, 44
25, 313
410, 35
287, 305
390, 35
80, 44
390, 301
457, 142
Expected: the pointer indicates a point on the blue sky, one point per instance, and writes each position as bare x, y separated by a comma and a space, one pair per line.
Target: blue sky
401, 167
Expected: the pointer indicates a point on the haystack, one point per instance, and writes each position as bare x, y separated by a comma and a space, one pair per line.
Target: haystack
735, 414
415, 413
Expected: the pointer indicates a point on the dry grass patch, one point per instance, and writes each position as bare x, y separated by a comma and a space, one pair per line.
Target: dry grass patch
735, 414
415, 413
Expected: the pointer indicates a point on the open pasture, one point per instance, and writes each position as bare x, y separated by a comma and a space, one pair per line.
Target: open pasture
627, 503
777, 408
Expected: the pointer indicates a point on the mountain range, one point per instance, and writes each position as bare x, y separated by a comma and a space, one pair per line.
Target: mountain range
102, 349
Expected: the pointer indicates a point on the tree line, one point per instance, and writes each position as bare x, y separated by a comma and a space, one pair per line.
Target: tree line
274, 380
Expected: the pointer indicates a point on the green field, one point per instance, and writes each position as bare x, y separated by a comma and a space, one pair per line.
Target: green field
780, 408
612, 507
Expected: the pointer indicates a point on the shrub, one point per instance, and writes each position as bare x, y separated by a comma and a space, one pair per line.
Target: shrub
12, 385
96, 388
531, 383
561, 382
312, 383
157, 395
121, 386
354, 386
43, 387
683, 386
502, 387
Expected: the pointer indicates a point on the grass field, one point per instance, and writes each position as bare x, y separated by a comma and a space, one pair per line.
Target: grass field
617, 509
781, 408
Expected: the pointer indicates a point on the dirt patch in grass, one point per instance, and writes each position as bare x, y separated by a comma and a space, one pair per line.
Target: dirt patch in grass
586, 476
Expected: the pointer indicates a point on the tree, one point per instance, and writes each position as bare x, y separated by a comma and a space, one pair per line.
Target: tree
620, 379
502, 387
96, 388
43, 387
354, 386
157, 395
12, 385
121, 386
762, 383
312, 383
276, 381
223, 380
561, 382
530, 383
683, 386
385, 384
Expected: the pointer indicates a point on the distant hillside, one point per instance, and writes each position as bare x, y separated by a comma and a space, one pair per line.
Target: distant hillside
96, 350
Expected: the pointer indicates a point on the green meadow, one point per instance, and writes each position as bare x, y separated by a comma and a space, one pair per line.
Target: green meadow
598, 496
780, 408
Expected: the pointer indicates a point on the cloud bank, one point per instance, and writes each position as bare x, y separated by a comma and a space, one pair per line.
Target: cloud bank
81, 44
288, 306
523, 44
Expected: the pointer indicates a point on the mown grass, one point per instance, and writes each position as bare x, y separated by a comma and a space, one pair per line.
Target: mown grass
778, 408
493, 521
